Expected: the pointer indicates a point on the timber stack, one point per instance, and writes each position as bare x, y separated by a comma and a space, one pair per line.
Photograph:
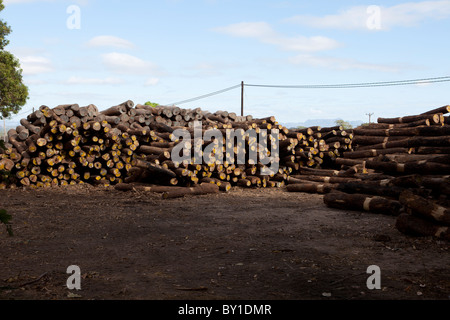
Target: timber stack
127, 145
401, 167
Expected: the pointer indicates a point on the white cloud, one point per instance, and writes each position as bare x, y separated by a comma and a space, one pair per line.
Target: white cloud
125, 63
208, 69
151, 82
402, 15
35, 82
32, 65
339, 63
263, 32
8, 2
110, 41
248, 30
94, 81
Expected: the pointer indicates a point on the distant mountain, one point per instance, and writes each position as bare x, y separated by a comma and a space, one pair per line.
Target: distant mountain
324, 123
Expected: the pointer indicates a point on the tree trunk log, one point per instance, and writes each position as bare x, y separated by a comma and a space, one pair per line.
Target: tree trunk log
374, 153
433, 117
443, 110
417, 205
412, 142
415, 226
363, 202
311, 188
203, 189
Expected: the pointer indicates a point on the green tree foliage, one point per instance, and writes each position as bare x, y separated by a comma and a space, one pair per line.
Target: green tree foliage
152, 104
4, 30
344, 124
13, 93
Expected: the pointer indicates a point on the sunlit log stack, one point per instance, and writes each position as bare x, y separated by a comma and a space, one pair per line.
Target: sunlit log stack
125, 143
398, 166
405, 160
68, 144
321, 145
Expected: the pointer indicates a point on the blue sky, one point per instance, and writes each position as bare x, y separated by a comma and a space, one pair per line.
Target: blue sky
106, 52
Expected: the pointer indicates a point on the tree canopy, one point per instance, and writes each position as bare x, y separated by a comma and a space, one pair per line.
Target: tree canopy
152, 104
13, 93
4, 30
346, 125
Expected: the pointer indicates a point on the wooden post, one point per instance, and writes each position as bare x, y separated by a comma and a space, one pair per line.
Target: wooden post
242, 98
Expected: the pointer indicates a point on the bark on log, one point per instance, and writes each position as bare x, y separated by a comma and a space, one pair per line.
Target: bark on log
412, 142
320, 172
325, 179
203, 189
372, 188
157, 169
422, 167
412, 131
114, 111
425, 208
432, 150
374, 153
401, 158
443, 110
375, 140
433, 117
30, 127
362, 202
415, 226
311, 188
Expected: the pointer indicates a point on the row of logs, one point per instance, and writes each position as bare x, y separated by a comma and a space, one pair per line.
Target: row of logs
399, 166
125, 144
177, 117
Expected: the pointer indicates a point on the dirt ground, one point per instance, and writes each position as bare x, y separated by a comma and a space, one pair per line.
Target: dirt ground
256, 244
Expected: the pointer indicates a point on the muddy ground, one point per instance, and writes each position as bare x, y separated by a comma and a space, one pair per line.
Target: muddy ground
244, 245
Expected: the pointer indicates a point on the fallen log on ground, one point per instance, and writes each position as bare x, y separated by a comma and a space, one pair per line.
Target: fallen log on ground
320, 188
169, 191
425, 208
362, 202
418, 227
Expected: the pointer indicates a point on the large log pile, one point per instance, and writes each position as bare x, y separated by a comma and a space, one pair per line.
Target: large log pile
128, 144
402, 168
397, 166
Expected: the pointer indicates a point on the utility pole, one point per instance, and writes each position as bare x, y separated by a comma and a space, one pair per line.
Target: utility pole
370, 116
4, 129
242, 98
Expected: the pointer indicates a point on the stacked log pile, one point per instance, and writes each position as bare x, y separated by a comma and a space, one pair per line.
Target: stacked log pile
320, 146
402, 168
397, 166
128, 144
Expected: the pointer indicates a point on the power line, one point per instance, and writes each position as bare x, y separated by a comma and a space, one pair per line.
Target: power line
325, 86
206, 95
356, 85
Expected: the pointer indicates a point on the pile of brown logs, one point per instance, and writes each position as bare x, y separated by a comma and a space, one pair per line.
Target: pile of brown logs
399, 166
132, 145
320, 146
